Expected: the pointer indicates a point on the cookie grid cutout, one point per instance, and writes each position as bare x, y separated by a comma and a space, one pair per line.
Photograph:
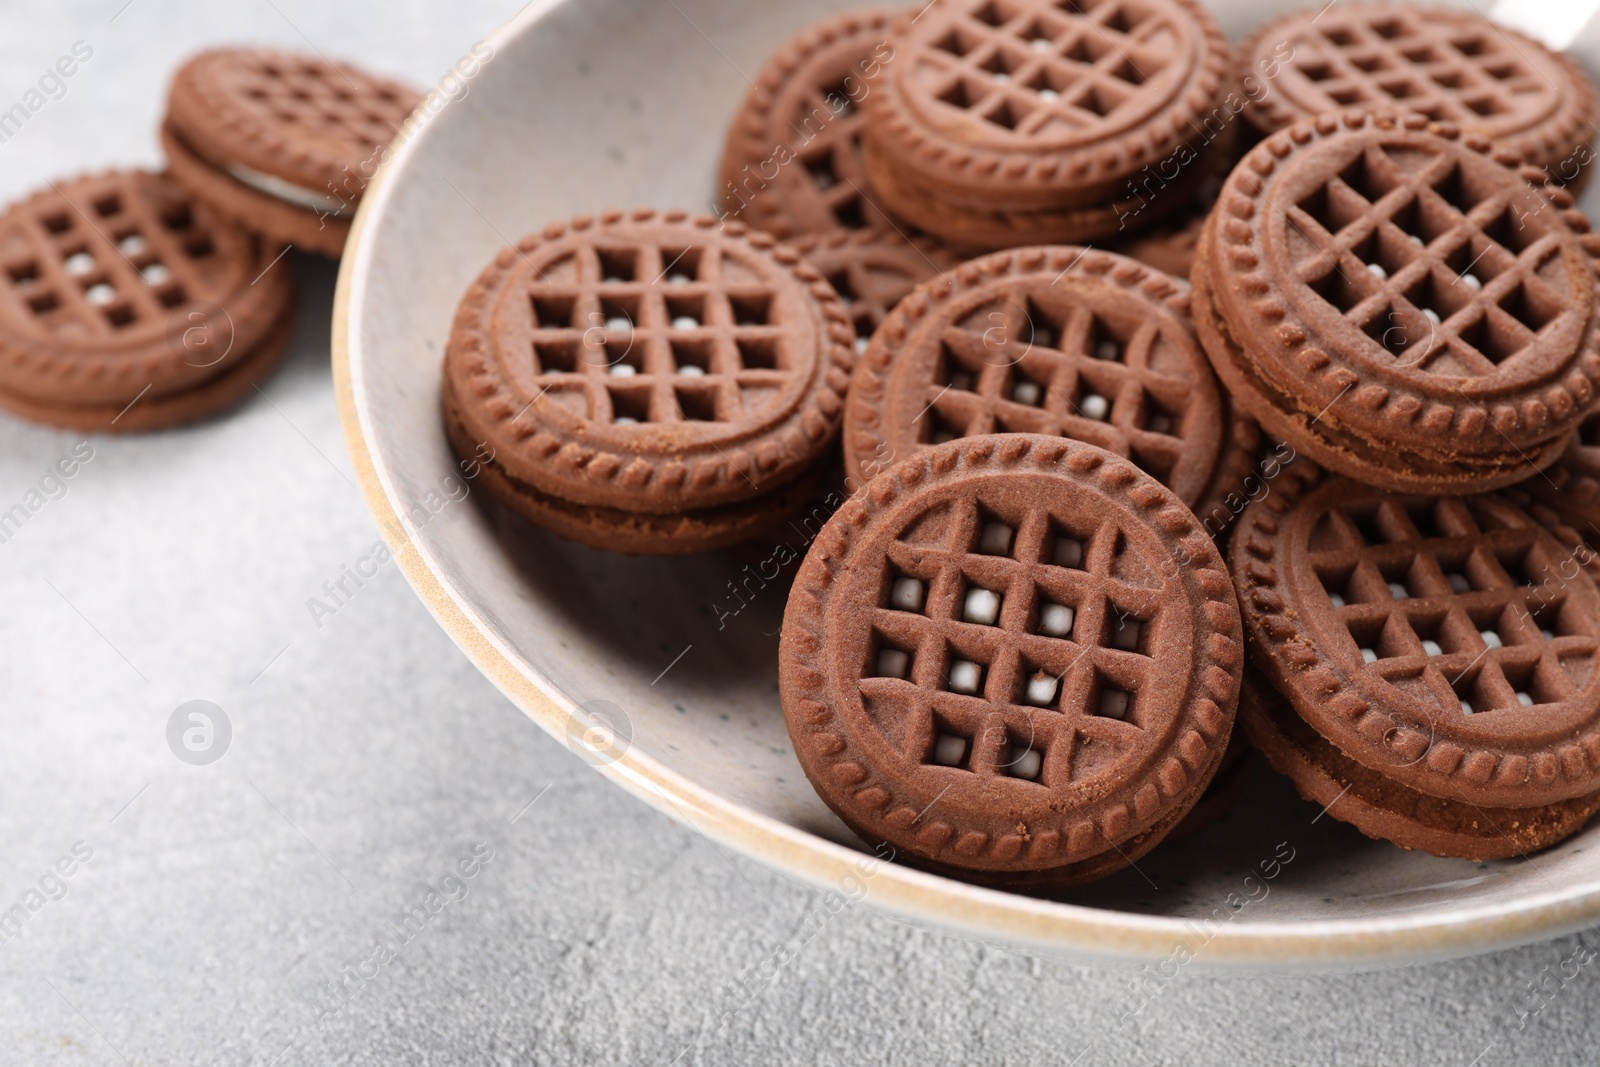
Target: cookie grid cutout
1445, 643
998, 115
873, 270
1012, 655
1448, 64
653, 363
283, 142
1406, 304
127, 305
792, 163
1063, 341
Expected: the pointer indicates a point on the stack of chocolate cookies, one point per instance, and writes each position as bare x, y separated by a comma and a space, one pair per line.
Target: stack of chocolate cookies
133, 300
1321, 458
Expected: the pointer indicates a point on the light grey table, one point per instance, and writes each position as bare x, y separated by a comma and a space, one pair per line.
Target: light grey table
252, 911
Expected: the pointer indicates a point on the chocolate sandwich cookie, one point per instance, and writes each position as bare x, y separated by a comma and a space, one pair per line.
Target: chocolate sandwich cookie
1014, 658
1449, 64
1437, 655
1401, 302
1065, 341
650, 382
284, 143
873, 270
1385, 810
792, 163
1222, 793
1007, 122
126, 304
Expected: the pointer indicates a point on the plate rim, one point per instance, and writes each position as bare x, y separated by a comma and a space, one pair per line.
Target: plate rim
1077, 930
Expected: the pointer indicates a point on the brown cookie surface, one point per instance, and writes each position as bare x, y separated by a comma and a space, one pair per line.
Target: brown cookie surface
1401, 302
1011, 655
1448, 644
1064, 341
321, 231
282, 140
637, 532
987, 228
651, 362
1032, 112
873, 270
1382, 808
122, 287
792, 163
1450, 64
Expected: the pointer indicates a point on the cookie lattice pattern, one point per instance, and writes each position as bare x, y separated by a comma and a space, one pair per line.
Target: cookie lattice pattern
870, 289
1061, 370
1450, 612
323, 101
832, 153
1046, 71
642, 333
1012, 645
1395, 58
107, 261
1446, 277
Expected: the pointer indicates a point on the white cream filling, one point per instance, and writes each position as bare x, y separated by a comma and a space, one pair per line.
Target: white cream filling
288, 191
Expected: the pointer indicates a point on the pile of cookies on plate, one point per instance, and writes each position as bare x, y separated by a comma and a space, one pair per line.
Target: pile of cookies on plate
134, 300
1174, 382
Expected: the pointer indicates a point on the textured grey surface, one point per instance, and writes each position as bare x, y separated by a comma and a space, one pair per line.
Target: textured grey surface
223, 906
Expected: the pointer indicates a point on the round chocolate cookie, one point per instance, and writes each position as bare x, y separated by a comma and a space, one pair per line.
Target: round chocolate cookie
284, 143
1065, 341
651, 373
638, 532
873, 270
1381, 807
1448, 644
792, 164
1013, 656
1223, 791
1449, 64
1401, 302
126, 304
1030, 121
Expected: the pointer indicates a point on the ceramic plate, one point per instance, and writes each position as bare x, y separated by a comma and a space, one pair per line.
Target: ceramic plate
601, 103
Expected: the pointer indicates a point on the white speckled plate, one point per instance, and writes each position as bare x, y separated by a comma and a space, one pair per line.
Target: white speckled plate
604, 103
